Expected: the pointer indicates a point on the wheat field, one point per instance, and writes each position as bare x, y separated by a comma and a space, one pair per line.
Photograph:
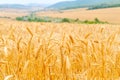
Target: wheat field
59, 51
111, 15
12, 13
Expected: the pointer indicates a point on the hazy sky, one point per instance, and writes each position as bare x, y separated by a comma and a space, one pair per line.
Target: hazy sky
30, 1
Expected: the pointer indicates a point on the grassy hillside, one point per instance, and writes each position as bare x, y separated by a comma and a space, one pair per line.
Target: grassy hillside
82, 3
104, 6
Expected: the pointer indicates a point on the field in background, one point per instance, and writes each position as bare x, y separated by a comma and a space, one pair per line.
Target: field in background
47, 51
12, 13
111, 15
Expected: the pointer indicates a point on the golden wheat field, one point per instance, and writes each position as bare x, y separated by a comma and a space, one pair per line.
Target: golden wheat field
59, 51
12, 13
111, 15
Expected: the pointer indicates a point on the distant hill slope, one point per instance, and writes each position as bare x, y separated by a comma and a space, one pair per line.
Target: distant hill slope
12, 6
82, 3
21, 6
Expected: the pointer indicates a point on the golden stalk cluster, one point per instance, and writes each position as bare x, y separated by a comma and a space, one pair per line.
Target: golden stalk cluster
47, 51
